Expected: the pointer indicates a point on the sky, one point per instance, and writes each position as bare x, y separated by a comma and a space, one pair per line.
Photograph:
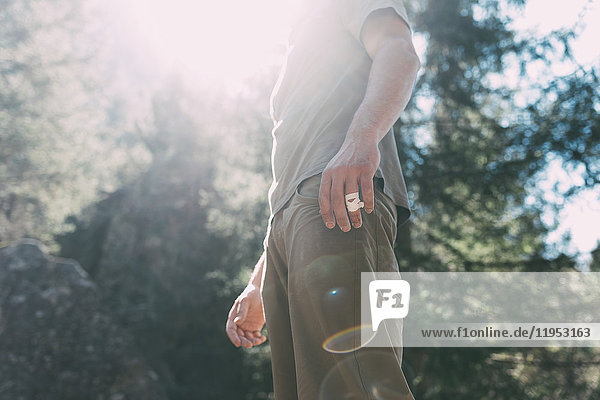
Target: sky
230, 41
578, 217
544, 16
209, 39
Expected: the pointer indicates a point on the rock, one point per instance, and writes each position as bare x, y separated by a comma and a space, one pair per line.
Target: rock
56, 342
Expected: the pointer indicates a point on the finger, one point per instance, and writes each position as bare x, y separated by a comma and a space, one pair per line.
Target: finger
242, 311
325, 200
260, 336
231, 330
355, 218
245, 342
338, 203
249, 335
260, 340
256, 340
368, 195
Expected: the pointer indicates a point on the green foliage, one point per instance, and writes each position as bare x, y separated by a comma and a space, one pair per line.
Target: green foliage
167, 249
471, 150
58, 144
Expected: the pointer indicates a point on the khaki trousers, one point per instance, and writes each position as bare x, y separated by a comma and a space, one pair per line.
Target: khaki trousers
311, 296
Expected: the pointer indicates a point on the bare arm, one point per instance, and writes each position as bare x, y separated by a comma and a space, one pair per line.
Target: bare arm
391, 79
388, 42
246, 317
257, 277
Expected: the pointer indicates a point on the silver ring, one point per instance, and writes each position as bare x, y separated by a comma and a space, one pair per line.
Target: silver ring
353, 202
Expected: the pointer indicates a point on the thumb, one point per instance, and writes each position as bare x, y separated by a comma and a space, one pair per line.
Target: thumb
242, 311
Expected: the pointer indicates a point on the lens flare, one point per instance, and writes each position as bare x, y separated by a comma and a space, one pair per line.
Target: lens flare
348, 340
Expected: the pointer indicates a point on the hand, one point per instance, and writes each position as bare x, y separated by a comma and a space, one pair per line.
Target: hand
246, 319
352, 167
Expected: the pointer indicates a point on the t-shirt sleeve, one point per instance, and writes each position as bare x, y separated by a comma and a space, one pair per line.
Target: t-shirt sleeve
355, 13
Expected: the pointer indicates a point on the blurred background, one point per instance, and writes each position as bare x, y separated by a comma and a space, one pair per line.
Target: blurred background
135, 163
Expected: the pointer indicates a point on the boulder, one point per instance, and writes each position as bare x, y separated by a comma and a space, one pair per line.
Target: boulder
56, 342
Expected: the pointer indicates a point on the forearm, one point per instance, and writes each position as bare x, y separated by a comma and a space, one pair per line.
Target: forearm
387, 41
391, 81
256, 279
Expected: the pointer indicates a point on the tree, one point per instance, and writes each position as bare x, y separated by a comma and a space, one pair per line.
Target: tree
59, 142
171, 249
470, 157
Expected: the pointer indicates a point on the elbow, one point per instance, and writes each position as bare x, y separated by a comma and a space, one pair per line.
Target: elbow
417, 61
405, 53
409, 54
414, 61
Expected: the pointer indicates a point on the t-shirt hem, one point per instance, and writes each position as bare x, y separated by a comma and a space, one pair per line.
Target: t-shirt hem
401, 202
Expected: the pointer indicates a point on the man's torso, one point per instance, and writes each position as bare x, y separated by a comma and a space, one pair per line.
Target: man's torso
319, 89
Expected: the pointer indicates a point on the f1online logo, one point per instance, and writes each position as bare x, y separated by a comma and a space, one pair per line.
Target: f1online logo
388, 299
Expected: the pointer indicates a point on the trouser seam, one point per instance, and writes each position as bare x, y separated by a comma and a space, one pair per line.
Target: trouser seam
357, 348
376, 236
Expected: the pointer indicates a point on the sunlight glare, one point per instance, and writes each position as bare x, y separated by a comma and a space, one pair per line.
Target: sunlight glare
544, 16
228, 40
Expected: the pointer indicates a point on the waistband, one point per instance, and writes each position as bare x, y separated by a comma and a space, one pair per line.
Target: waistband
316, 179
